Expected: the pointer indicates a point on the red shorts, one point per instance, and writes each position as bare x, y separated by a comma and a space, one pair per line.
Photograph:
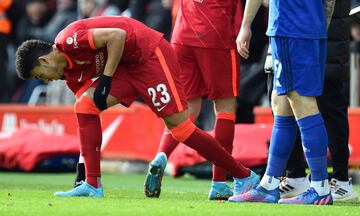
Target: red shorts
208, 72
156, 82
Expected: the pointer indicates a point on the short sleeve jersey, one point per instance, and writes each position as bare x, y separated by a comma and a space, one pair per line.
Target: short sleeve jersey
206, 23
297, 19
85, 61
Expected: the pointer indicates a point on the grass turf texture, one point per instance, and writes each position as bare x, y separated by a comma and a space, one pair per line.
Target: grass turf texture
32, 194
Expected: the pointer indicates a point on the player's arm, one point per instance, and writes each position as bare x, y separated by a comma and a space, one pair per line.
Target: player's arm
243, 39
114, 41
329, 9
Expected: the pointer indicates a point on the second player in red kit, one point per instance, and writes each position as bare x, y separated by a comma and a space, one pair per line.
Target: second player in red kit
111, 60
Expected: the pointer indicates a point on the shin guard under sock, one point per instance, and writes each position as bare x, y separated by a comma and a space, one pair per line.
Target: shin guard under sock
209, 148
90, 142
224, 134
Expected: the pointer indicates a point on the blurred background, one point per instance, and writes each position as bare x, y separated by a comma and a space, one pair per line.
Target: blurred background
41, 112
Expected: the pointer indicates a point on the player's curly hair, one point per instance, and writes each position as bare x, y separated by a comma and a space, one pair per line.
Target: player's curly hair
27, 54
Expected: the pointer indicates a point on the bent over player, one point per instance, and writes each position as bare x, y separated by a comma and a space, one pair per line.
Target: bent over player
204, 42
129, 59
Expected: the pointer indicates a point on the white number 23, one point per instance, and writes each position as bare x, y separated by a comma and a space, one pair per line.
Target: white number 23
162, 89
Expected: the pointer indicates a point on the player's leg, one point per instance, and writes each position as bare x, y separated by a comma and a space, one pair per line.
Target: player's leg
168, 143
208, 147
299, 73
90, 134
282, 140
221, 71
311, 124
224, 129
170, 98
283, 133
314, 139
190, 77
192, 80
89, 131
296, 181
224, 133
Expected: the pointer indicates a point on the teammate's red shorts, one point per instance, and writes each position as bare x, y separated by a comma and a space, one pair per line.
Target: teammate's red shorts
156, 82
208, 72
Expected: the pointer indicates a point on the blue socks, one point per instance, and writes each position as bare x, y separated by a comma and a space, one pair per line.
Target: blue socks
314, 139
282, 141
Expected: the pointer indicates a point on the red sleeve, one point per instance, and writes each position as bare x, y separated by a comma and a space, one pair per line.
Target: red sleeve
75, 37
91, 38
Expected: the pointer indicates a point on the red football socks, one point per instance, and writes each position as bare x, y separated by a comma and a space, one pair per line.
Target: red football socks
167, 143
224, 134
209, 148
90, 144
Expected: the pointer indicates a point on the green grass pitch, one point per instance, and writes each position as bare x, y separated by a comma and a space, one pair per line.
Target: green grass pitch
32, 194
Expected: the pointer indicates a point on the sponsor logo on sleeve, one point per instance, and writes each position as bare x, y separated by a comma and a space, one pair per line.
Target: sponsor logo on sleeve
73, 40
69, 40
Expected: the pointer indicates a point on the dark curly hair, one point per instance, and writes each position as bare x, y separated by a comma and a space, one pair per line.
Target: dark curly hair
27, 54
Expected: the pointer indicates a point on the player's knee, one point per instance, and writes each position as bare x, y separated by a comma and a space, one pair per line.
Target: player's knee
280, 105
302, 105
195, 106
176, 119
86, 105
183, 131
227, 105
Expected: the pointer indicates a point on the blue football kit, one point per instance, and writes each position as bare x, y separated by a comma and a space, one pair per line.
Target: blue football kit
297, 30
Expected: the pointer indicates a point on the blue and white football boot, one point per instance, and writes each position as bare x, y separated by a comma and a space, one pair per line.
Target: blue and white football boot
152, 186
220, 191
84, 189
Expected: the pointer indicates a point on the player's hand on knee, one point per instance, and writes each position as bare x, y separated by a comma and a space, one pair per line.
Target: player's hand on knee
102, 91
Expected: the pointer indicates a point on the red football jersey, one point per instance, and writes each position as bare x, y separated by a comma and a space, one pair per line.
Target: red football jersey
86, 62
206, 23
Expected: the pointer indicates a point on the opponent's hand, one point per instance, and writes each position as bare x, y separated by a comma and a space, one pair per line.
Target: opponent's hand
268, 67
102, 91
243, 42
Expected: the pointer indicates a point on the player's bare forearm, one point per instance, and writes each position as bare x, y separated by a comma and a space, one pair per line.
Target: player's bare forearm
251, 9
114, 40
329, 9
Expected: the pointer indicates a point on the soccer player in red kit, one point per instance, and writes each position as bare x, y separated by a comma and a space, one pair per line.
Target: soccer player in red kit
128, 59
204, 41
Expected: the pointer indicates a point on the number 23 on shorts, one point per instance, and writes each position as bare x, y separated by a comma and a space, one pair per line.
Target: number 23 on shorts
160, 96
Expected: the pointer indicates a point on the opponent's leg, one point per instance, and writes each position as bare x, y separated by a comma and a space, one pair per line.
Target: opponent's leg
314, 139
282, 140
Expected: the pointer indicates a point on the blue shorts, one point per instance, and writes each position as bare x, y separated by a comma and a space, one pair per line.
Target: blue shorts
299, 64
